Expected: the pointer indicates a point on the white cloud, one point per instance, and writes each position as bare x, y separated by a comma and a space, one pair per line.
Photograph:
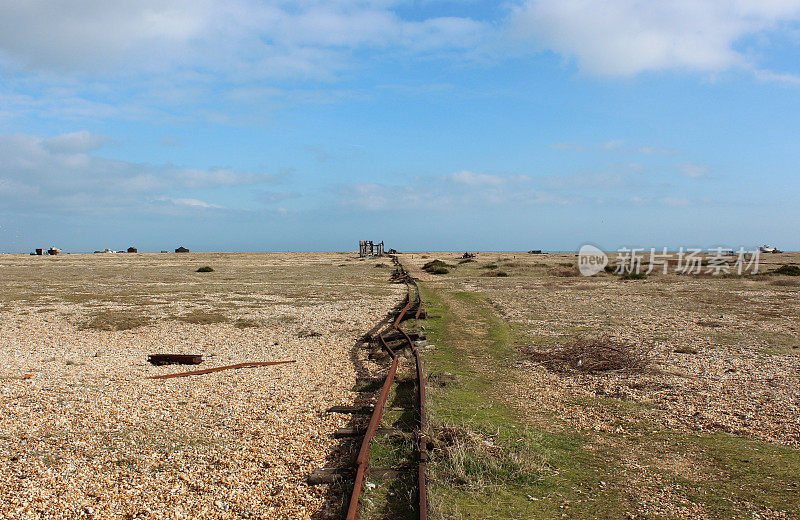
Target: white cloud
75, 142
57, 173
627, 37
694, 171
476, 179
192, 203
244, 38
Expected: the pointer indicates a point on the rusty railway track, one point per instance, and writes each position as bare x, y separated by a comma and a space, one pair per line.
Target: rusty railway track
411, 310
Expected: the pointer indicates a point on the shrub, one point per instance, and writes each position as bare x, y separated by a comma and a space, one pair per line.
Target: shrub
206, 269
436, 267
491, 266
788, 270
498, 273
595, 355
466, 261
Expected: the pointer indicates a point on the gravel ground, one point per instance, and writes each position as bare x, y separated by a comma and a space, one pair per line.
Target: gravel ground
723, 357
723, 351
84, 434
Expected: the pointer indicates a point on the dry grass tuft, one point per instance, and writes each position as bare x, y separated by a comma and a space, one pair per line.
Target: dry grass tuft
590, 355
498, 273
114, 320
562, 271
203, 317
471, 460
785, 282
308, 333
246, 323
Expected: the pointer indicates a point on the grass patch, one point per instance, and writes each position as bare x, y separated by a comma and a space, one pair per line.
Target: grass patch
785, 282
564, 271
308, 333
205, 269
787, 270
467, 261
246, 323
114, 320
498, 273
201, 317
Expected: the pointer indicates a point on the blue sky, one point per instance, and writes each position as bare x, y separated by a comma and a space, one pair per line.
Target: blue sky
304, 125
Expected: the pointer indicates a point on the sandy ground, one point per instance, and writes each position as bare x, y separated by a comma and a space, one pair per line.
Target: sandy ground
83, 433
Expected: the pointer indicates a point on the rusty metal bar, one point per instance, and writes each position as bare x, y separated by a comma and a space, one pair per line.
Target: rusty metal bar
218, 369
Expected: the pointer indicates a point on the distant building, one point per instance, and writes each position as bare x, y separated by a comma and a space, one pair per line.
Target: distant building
132, 250
39, 251
53, 251
181, 250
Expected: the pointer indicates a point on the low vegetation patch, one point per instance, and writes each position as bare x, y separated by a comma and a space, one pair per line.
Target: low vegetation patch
470, 460
246, 323
205, 269
436, 267
590, 355
115, 320
787, 270
565, 272
201, 317
497, 273
784, 282
466, 260
308, 333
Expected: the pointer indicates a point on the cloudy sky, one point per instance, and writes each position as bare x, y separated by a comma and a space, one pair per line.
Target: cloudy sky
453, 124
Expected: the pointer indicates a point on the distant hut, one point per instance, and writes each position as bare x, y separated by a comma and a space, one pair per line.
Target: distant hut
132, 250
181, 250
53, 251
39, 251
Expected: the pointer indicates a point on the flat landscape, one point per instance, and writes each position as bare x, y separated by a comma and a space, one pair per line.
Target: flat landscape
550, 395
84, 433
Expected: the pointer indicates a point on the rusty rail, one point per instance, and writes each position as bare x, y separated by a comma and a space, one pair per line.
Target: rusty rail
362, 460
